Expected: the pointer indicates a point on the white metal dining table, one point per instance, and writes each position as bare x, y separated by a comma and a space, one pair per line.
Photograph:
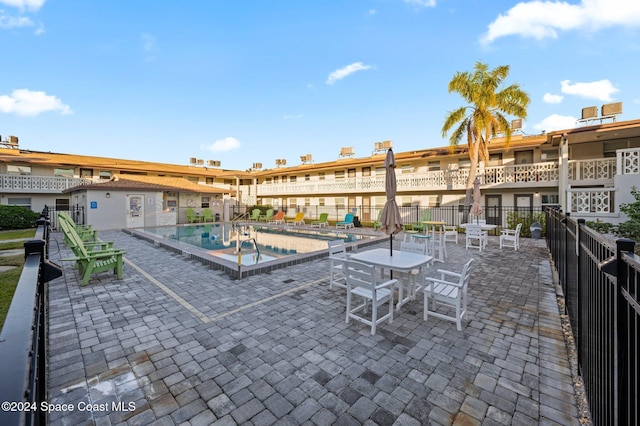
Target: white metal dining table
400, 261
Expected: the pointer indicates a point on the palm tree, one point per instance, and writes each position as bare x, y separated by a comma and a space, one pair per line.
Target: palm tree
485, 116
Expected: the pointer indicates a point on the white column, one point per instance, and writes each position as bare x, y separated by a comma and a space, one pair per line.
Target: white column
563, 177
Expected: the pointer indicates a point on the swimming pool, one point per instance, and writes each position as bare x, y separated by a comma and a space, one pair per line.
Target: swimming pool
243, 250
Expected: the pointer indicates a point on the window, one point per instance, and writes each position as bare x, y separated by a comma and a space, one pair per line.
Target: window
307, 177
495, 159
321, 176
366, 171
293, 179
293, 202
284, 179
524, 157
339, 174
62, 204
18, 170
321, 202
406, 201
209, 180
275, 179
380, 170
105, 174
86, 173
204, 202
307, 202
339, 202
550, 199
192, 179
464, 163
406, 168
268, 181
65, 173
351, 173
23, 202
129, 172
549, 155
433, 166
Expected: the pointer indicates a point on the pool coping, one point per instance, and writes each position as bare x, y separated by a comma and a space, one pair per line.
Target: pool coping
232, 268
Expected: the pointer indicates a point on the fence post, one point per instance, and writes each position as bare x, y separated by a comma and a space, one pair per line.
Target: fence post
622, 358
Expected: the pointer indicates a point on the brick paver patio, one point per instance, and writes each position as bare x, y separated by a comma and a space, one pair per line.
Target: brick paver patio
177, 343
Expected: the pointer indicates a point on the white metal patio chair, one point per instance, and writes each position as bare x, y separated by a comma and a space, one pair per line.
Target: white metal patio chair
476, 238
511, 237
451, 233
337, 255
362, 282
451, 291
408, 285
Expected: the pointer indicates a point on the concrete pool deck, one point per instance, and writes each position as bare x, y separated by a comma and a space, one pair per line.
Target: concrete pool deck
175, 342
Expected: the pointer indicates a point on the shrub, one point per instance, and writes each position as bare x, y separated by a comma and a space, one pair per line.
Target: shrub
17, 217
526, 218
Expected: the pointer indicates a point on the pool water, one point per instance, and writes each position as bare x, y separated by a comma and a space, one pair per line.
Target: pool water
251, 244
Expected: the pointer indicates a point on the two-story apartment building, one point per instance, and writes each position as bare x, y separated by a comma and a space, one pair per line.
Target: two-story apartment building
587, 170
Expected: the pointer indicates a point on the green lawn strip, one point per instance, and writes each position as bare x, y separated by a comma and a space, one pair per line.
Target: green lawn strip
12, 245
17, 233
8, 283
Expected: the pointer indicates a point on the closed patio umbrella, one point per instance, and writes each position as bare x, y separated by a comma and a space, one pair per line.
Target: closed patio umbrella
476, 208
390, 220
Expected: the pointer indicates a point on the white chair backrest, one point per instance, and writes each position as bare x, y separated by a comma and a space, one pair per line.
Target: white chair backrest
465, 274
474, 232
337, 249
518, 229
413, 247
360, 275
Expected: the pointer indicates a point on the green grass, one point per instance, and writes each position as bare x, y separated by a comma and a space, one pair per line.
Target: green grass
17, 233
9, 279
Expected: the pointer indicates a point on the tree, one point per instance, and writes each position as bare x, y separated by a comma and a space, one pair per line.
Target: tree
485, 116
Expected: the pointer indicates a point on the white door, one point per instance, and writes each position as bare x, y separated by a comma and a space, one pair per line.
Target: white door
135, 211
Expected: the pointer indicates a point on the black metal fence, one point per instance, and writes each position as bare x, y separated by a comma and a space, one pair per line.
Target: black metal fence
23, 341
600, 283
503, 216
76, 212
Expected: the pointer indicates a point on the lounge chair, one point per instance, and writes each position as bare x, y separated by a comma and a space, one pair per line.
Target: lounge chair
420, 226
255, 215
298, 220
322, 221
378, 224
191, 215
207, 215
266, 217
278, 219
346, 223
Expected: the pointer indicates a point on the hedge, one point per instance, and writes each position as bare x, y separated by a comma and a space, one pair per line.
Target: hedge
17, 217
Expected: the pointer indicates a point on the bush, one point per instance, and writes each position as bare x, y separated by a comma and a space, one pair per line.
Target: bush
513, 218
17, 217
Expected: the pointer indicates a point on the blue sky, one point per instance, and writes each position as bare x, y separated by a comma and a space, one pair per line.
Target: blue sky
243, 82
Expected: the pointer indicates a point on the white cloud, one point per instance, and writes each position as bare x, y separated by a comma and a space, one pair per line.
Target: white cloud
222, 145
8, 22
32, 5
344, 72
544, 19
600, 90
556, 122
292, 116
27, 102
550, 98
421, 3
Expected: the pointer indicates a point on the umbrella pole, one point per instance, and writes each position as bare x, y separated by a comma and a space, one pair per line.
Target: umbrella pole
391, 254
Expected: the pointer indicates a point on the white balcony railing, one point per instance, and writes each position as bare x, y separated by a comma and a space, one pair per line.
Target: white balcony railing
595, 200
603, 169
533, 174
628, 161
49, 184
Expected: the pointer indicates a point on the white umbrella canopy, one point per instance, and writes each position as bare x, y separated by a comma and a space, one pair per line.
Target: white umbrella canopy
390, 220
476, 208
